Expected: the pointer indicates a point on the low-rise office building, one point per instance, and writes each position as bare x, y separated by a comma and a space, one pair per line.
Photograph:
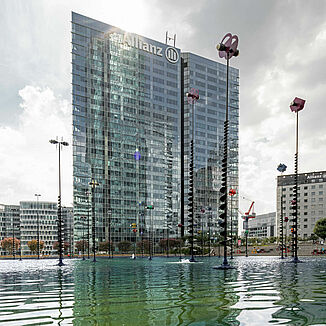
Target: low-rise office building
311, 201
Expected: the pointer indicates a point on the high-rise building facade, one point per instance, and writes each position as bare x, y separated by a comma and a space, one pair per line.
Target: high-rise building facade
311, 201
126, 119
130, 122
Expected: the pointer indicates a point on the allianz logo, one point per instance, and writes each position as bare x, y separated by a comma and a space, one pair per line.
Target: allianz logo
136, 42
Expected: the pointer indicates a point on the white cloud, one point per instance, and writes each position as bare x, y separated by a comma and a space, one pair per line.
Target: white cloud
29, 162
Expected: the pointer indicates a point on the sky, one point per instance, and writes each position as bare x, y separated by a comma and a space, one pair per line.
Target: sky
282, 47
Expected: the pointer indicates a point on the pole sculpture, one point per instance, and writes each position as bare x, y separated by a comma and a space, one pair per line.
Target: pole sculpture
193, 97
296, 105
281, 168
226, 49
232, 192
93, 184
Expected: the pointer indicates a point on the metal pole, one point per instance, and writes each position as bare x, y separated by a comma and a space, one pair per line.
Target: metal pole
150, 236
87, 193
193, 176
83, 227
281, 224
295, 231
109, 246
247, 235
226, 129
59, 212
285, 248
209, 235
93, 219
231, 230
38, 226
13, 238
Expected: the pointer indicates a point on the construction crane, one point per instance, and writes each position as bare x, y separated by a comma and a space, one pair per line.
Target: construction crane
246, 218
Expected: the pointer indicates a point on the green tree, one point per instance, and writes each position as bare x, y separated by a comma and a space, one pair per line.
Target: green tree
7, 244
320, 228
32, 245
79, 245
124, 246
66, 246
143, 245
104, 246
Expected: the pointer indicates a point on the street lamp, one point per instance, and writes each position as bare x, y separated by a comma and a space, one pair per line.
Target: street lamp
193, 97
87, 193
93, 184
59, 143
286, 219
83, 218
13, 238
296, 105
282, 168
226, 49
38, 227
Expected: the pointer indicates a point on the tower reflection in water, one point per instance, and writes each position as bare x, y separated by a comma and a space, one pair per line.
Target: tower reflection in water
140, 292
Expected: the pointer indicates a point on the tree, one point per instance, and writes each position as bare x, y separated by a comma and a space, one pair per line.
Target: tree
124, 246
104, 246
79, 245
320, 228
66, 246
172, 243
7, 244
143, 245
32, 245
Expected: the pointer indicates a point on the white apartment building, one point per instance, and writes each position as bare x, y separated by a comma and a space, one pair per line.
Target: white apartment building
46, 212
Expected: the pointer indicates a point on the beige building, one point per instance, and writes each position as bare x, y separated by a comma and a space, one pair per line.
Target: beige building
311, 201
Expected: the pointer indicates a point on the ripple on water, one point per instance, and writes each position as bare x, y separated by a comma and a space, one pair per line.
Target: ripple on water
140, 292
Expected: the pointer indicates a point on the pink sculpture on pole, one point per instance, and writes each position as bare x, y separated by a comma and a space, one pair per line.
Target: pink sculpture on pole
297, 104
193, 96
228, 46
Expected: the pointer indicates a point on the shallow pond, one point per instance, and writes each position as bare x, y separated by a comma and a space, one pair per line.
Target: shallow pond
120, 291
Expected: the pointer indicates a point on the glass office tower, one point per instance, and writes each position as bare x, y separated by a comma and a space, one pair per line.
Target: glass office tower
209, 78
126, 136
131, 134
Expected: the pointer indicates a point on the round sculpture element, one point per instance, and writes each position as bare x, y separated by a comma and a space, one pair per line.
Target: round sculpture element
228, 46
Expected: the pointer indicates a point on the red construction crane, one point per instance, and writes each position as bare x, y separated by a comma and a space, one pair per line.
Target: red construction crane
247, 215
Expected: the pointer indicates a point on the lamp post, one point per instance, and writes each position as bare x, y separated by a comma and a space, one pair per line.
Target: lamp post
38, 226
232, 192
296, 105
180, 226
226, 49
286, 219
83, 218
109, 246
87, 193
59, 143
20, 242
193, 97
93, 184
282, 168
150, 207
13, 239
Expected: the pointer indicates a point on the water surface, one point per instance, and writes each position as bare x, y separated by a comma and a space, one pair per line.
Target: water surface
259, 291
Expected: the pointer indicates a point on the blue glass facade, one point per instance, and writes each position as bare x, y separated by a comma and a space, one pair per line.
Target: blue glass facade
131, 132
126, 102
